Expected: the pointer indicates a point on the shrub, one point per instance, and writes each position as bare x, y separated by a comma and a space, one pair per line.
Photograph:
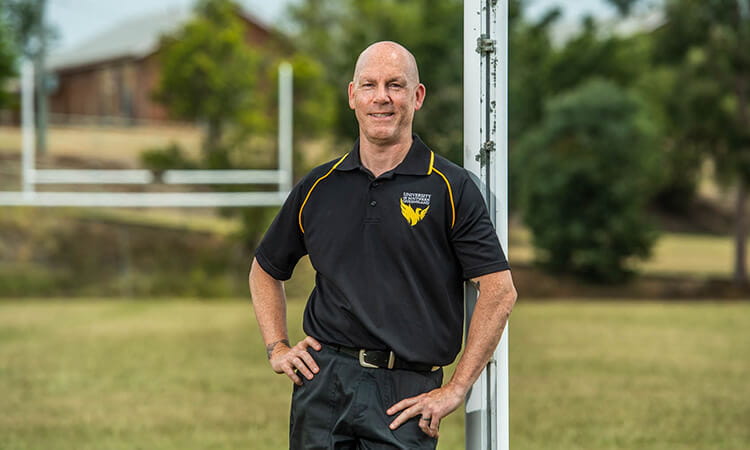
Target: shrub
584, 177
169, 157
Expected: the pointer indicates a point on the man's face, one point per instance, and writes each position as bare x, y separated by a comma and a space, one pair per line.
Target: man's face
384, 95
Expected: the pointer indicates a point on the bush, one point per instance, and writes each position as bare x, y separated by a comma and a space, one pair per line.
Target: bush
169, 157
584, 177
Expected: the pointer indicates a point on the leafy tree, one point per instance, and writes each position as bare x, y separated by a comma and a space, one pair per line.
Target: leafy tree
584, 181
706, 44
531, 52
334, 32
541, 69
25, 30
624, 7
682, 160
7, 52
209, 73
25, 25
314, 112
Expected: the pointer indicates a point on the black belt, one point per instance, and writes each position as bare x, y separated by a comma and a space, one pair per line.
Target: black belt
382, 359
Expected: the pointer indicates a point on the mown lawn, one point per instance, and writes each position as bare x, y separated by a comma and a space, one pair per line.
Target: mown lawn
674, 254
78, 374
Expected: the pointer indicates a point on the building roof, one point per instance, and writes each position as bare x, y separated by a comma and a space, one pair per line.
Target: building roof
134, 37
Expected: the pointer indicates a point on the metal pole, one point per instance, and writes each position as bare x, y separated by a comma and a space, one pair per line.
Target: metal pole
40, 73
501, 208
485, 155
28, 144
286, 122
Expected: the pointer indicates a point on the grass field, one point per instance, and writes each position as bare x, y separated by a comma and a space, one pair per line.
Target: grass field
674, 254
179, 374
121, 144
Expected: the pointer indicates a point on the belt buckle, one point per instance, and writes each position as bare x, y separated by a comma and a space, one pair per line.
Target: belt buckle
363, 363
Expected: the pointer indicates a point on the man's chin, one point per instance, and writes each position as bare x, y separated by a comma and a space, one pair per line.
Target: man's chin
385, 137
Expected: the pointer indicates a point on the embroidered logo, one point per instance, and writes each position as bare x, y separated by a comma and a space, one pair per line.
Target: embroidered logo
411, 214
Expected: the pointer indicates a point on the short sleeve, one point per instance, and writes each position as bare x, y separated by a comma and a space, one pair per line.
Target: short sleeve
474, 237
283, 244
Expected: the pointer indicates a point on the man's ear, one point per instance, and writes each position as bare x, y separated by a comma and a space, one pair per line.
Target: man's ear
351, 94
421, 92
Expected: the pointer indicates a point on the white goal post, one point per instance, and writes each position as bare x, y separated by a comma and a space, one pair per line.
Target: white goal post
31, 176
486, 155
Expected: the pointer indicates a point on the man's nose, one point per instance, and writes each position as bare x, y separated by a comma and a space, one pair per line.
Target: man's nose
381, 95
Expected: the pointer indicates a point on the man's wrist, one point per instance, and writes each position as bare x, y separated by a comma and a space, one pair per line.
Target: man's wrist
461, 388
272, 345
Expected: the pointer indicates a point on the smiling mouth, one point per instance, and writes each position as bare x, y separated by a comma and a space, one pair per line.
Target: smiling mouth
380, 115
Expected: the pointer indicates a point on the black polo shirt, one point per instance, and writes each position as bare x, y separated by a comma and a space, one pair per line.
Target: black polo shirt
391, 253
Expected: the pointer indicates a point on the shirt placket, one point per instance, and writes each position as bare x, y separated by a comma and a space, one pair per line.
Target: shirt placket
374, 206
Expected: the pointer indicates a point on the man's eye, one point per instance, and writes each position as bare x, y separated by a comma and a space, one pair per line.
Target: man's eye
395, 85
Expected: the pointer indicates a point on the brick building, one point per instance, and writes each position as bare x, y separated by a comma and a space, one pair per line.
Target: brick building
112, 76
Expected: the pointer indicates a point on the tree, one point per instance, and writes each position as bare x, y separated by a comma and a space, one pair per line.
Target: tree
584, 180
541, 69
705, 44
334, 32
209, 73
30, 37
529, 78
7, 52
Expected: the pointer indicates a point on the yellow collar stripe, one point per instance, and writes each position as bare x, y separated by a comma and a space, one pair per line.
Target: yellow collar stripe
432, 162
450, 194
313, 187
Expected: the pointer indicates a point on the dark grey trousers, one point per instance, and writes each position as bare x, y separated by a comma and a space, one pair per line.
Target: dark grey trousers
343, 406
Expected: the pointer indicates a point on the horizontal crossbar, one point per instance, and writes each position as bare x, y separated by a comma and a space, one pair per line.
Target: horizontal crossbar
74, 176
117, 176
143, 199
223, 176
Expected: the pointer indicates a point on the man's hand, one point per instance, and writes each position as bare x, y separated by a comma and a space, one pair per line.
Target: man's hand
432, 406
290, 360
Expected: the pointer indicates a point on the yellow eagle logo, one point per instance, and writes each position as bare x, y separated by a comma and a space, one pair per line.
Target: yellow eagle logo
411, 215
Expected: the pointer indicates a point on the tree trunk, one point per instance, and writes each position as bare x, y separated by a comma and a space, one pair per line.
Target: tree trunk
740, 234
40, 80
213, 137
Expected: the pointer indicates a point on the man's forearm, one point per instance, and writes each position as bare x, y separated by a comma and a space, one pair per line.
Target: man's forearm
269, 303
494, 305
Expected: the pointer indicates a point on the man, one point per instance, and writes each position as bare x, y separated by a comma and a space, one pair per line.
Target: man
392, 230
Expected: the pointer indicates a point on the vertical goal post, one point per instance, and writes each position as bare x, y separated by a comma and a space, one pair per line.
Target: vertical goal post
31, 176
486, 157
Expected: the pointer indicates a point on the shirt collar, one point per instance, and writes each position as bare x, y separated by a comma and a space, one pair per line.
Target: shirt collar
418, 161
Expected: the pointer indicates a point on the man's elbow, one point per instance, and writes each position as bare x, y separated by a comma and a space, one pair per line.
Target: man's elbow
512, 296
257, 274
506, 290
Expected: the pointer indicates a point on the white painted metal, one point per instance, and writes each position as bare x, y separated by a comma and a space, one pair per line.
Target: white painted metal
485, 126
224, 176
475, 408
286, 125
143, 199
71, 176
139, 176
28, 141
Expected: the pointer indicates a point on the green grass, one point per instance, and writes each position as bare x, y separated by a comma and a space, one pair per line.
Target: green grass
192, 375
674, 254
691, 254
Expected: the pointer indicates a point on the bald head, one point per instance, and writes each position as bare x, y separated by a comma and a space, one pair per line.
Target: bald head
388, 52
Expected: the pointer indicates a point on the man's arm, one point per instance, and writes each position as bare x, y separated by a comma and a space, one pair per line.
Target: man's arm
494, 304
269, 303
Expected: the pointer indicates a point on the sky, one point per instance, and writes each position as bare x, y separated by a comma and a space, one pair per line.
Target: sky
78, 20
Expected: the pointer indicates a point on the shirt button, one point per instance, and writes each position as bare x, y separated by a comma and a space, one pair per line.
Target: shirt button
373, 203
375, 184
